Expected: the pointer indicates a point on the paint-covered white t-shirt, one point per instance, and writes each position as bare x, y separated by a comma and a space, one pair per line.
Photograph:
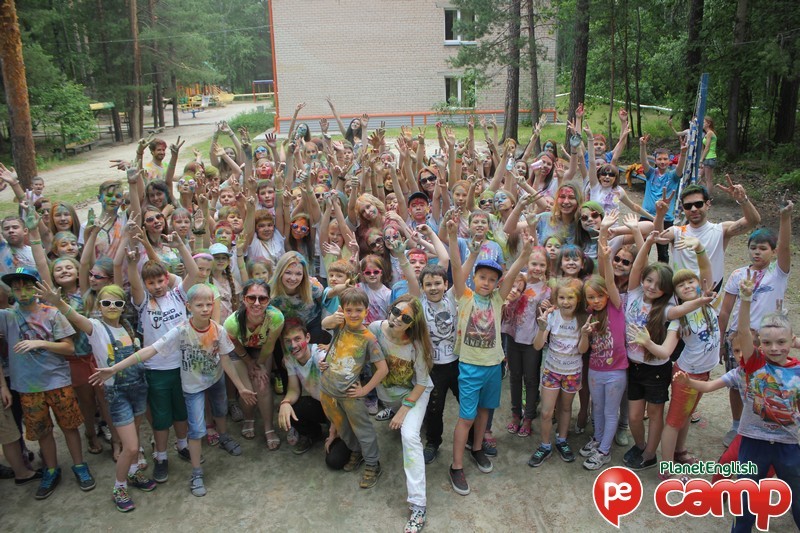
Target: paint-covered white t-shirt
157, 316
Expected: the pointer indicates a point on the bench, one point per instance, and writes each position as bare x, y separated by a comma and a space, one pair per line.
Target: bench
74, 148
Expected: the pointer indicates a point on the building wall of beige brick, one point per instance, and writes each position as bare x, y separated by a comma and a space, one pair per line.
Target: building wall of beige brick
378, 57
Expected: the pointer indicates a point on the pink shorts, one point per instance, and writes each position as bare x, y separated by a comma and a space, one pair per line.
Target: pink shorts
683, 399
567, 382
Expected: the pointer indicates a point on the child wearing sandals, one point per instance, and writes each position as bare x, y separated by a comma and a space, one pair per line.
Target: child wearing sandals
566, 334
524, 361
700, 332
204, 348
113, 341
608, 361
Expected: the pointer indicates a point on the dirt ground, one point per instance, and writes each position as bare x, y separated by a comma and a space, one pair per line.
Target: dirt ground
277, 490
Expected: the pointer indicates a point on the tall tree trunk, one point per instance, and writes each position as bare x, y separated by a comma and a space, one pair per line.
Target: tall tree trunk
638, 72
511, 124
626, 70
612, 72
786, 114
137, 111
735, 83
157, 80
578, 91
533, 65
173, 89
16, 88
694, 54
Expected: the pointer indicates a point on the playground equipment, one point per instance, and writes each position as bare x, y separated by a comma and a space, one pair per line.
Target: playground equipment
265, 88
196, 98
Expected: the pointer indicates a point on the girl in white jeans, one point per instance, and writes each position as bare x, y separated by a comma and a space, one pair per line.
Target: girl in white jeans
406, 389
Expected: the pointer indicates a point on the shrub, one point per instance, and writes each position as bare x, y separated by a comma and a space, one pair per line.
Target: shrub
255, 121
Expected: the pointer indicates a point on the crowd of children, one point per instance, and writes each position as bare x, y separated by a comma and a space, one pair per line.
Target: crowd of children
347, 279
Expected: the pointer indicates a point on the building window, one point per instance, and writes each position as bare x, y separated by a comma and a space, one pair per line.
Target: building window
460, 91
451, 17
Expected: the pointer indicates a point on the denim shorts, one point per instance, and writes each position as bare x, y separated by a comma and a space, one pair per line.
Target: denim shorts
125, 402
479, 387
196, 407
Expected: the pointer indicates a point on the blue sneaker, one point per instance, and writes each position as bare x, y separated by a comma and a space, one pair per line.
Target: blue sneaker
50, 480
84, 477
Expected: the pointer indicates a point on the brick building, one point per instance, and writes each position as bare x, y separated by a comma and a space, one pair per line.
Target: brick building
385, 58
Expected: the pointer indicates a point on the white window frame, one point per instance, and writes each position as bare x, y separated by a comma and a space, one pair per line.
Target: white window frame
459, 80
457, 40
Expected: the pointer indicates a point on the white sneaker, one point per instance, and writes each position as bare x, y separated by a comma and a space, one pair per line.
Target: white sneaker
589, 448
621, 437
597, 460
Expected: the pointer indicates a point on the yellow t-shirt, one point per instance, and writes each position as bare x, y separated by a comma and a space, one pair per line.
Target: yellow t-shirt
478, 335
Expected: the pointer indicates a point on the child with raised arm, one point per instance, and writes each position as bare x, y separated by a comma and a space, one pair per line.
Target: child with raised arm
699, 330
341, 392
608, 361
203, 347
769, 382
160, 310
770, 261
38, 338
479, 348
112, 341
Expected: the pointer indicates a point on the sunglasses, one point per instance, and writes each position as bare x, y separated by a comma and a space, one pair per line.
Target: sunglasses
399, 314
150, 220
376, 272
190, 183
260, 149
376, 242
625, 262
608, 173
593, 215
698, 204
119, 304
300, 229
256, 299
485, 202
429, 179
97, 276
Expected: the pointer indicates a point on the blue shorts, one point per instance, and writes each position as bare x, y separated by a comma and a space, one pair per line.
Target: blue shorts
126, 402
196, 407
478, 387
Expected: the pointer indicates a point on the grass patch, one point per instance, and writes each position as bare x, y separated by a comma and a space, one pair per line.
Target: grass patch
63, 193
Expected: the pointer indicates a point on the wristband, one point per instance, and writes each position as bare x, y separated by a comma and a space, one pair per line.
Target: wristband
286, 401
69, 310
746, 298
138, 357
36, 242
746, 199
408, 403
700, 252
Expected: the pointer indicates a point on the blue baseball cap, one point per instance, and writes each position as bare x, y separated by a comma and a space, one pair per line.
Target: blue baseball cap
489, 263
24, 272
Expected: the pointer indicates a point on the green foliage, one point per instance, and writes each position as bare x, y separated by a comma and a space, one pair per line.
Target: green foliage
791, 179
255, 121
